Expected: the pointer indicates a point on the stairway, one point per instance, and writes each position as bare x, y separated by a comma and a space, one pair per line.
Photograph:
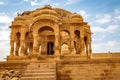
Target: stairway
40, 71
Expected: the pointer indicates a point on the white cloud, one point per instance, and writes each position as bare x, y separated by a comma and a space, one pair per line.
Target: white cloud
112, 46
1, 3
4, 49
69, 2
39, 2
84, 14
26, 0
110, 28
117, 11
55, 4
116, 17
34, 3
5, 19
111, 43
98, 37
106, 18
4, 35
4, 41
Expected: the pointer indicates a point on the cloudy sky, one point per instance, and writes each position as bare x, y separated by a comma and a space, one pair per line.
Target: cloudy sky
102, 15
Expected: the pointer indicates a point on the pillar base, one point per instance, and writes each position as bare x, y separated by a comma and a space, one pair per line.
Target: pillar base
11, 54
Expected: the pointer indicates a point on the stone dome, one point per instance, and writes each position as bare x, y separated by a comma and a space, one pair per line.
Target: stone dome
47, 9
77, 17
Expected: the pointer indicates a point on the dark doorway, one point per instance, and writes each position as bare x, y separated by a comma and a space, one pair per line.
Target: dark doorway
50, 48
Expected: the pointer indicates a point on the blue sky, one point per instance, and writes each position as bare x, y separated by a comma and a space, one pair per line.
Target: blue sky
102, 15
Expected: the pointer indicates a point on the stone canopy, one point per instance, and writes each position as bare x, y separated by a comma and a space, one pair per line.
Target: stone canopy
55, 44
49, 31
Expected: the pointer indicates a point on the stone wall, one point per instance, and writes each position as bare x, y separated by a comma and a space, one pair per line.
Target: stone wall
99, 69
17, 66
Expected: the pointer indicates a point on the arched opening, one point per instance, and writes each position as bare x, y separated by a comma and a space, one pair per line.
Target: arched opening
65, 41
46, 39
50, 48
45, 29
65, 49
65, 35
28, 42
77, 33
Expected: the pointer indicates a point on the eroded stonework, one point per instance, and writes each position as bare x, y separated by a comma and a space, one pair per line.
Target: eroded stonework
55, 44
50, 31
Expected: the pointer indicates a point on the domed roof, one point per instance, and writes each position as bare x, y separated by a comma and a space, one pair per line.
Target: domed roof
76, 18
47, 9
75, 15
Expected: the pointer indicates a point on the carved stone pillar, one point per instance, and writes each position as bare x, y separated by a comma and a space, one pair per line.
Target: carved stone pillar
22, 41
90, 49
57, 45
22, 45
35, 46
72, 46
12, 41
31, 48
17, 47
82, 46
26, 48
12, 48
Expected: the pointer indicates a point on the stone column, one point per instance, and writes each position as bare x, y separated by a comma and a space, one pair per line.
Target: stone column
30, 48
22, 45
26, 47
57, 53
12, 48
72, 47
22, 41
82, 40
17, 47
90, 49
35, 45
12, 40
82, 46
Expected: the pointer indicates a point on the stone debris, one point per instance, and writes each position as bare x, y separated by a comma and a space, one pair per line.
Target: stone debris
10, 75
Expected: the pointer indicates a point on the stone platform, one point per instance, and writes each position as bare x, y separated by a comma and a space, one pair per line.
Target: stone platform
66, 68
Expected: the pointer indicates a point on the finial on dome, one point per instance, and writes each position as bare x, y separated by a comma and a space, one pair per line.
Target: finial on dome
47, 7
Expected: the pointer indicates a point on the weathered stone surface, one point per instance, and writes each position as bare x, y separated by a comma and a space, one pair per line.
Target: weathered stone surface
102, 69
49, 31
66, 69
55, 44
10, 75
40, 71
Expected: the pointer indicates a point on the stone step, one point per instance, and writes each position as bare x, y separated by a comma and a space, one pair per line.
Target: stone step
40, 71
45, 69
41, 74
38, 78
37, 75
